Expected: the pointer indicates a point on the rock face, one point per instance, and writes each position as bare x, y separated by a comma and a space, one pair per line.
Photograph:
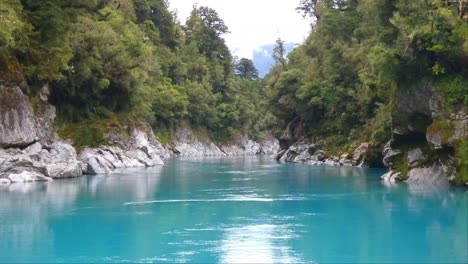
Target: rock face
186, 144
313, 154
359, 154
434, 174
391, 176
293, 133
248, 147
427, 133
39, 162
139, 149
45, 117
270, 146
33, 151
17, 121
412, 111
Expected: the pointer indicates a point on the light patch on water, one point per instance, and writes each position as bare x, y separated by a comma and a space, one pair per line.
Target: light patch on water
263, 243
243, 179
271, 166
234, 172
245, 199
233, 198
118, 259
201, 229
143, 213
309, 214
336, 195
235, 189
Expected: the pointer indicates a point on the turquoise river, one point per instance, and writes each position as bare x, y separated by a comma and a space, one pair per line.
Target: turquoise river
233, 210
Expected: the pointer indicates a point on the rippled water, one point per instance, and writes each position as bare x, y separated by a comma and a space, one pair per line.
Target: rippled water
233, 210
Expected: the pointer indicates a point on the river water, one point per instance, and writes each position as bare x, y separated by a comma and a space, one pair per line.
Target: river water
233, 210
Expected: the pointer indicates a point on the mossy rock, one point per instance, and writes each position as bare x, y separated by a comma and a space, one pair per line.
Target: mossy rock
461, 163
400, 164
11, 72
440, 132
90, 133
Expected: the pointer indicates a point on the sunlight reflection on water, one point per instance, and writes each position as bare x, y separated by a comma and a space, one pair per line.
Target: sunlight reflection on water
263, 243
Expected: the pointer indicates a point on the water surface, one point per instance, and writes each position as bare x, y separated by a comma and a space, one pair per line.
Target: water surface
233, 210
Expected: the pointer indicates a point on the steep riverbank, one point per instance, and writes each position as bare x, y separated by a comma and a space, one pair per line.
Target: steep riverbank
424, 150
428, 143
31, 149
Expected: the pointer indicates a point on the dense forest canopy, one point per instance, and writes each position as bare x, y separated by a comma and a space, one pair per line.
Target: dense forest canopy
132, 57
342, 78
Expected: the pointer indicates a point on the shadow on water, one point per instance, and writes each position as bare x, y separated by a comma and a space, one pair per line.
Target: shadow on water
232, 210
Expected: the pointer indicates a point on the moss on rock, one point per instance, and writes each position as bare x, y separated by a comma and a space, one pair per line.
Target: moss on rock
90, 133
440, 131
461, 163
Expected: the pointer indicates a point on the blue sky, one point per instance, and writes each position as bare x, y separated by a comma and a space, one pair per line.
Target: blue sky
253, 23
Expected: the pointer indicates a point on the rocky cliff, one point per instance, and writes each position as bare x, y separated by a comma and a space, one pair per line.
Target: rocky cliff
429, 143
186, 143
136, 149
430, 138
31, 150
296, 148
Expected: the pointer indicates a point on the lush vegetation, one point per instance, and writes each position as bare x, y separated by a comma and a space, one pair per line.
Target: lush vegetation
342, 79
133, 57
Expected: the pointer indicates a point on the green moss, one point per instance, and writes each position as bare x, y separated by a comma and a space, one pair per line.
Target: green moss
400, 164
461, 162
163, 138
10, 70
89, 133
453, 88
443, 127
223, 136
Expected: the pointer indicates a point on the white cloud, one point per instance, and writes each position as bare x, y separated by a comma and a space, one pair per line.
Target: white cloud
253, 23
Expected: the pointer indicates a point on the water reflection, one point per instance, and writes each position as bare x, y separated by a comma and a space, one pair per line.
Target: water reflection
262, 243
24, 211
133, 184
232, 210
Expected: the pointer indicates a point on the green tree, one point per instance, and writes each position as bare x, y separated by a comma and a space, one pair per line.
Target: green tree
245, 68
279, 53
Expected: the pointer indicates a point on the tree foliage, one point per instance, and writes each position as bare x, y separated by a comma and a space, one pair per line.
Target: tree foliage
357, 54
133, 57
245, 68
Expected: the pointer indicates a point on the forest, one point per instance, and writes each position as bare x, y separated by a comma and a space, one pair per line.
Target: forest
134, 60
131, 58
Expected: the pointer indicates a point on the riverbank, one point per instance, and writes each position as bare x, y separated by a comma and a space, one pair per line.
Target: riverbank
32, 150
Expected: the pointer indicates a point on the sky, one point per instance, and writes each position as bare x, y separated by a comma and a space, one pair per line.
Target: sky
252, 23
